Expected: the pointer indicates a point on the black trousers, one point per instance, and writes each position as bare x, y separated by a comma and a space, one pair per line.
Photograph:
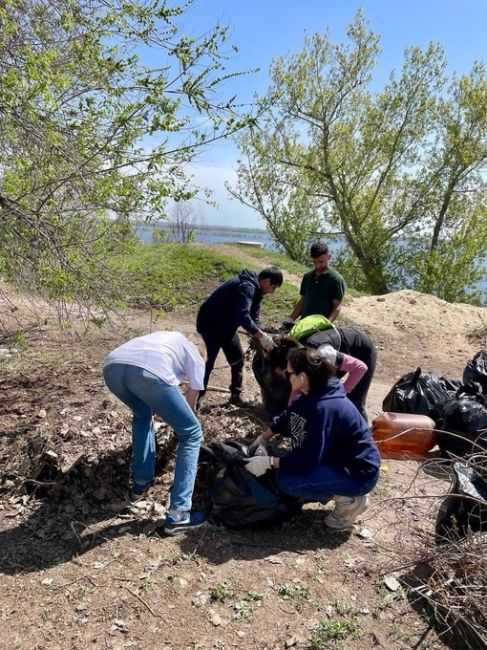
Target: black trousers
359, 345
216, 340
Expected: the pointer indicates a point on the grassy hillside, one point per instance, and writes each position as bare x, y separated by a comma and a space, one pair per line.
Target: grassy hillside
270, 257
171, 276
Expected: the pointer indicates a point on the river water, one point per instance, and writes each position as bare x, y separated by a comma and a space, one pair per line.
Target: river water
219, 235
215, 235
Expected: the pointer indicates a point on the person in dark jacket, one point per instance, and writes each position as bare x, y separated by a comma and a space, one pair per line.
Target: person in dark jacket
234, 304
333, 455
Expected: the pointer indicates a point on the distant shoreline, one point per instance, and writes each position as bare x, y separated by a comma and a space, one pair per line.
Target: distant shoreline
217, 229
212, 234
207, 234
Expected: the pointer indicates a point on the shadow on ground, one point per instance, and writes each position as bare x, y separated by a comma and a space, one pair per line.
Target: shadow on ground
305, 532
95, 492
89, 493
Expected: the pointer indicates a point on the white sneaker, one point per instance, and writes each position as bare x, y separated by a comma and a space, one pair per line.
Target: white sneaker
347, 509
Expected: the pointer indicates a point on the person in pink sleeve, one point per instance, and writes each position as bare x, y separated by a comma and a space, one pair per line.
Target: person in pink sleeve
348, 349
355, 368
355, 353
344, 363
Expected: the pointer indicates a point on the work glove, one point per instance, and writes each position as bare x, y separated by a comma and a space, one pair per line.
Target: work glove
266, 342
258, 442
328, 352
287, 323
258, 465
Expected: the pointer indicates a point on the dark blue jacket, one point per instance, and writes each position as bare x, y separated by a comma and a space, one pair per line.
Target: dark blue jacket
326, 428
234, 304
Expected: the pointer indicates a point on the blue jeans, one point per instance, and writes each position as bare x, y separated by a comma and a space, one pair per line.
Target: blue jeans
325, 482
145, 394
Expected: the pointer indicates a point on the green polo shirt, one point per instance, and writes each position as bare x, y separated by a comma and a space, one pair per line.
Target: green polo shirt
319, 291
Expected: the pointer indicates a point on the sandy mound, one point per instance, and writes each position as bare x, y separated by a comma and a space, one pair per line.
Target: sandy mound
420, 328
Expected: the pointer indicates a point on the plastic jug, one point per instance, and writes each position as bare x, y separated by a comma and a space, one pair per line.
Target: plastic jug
404, 435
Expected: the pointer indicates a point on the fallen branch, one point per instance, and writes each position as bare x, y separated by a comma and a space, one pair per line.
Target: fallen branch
85, 575
140, 599
216, 389
41, 483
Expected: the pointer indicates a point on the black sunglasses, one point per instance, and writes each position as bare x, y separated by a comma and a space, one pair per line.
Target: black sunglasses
289, 373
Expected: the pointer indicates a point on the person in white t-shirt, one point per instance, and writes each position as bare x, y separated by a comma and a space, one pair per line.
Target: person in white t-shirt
145, 374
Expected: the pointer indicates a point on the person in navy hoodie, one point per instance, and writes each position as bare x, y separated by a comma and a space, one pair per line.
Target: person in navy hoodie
234, 304
333, 455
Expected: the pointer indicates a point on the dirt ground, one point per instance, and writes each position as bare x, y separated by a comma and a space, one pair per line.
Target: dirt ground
82, 568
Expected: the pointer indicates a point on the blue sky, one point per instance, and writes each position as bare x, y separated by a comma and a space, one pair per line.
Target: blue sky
266, 29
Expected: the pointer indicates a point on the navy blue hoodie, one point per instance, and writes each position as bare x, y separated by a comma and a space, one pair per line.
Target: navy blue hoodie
234, 304
326, 428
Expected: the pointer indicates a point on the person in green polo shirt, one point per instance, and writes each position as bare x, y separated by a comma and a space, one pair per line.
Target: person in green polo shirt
322, 290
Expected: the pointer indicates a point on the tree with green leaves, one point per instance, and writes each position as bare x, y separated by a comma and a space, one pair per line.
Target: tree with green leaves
103, 103
396, 173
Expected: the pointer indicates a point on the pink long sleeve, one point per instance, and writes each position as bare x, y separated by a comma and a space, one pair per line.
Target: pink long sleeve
356, 370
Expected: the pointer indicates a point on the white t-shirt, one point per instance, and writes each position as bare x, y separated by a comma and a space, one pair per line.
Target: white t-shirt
168, 355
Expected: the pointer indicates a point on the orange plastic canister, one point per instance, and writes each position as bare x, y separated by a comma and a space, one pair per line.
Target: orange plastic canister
404, 435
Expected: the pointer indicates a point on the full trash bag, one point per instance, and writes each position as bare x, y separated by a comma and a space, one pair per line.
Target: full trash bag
465, 506
464, 416
476, 370
237, 498
421, 393
275, 390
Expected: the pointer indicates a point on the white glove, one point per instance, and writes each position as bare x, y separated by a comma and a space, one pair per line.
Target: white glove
328, 352
287, 323
258, 465
260, 440
267, 342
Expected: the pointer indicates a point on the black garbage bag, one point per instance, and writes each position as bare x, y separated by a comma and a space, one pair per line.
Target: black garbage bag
235, 497
465, 507
213, 459
465, 416
421, 393
275, 390
241, 500
476, 370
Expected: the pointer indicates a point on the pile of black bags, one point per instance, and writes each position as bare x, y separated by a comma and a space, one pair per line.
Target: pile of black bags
463, 422
421, 393
476, 371
459, 409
